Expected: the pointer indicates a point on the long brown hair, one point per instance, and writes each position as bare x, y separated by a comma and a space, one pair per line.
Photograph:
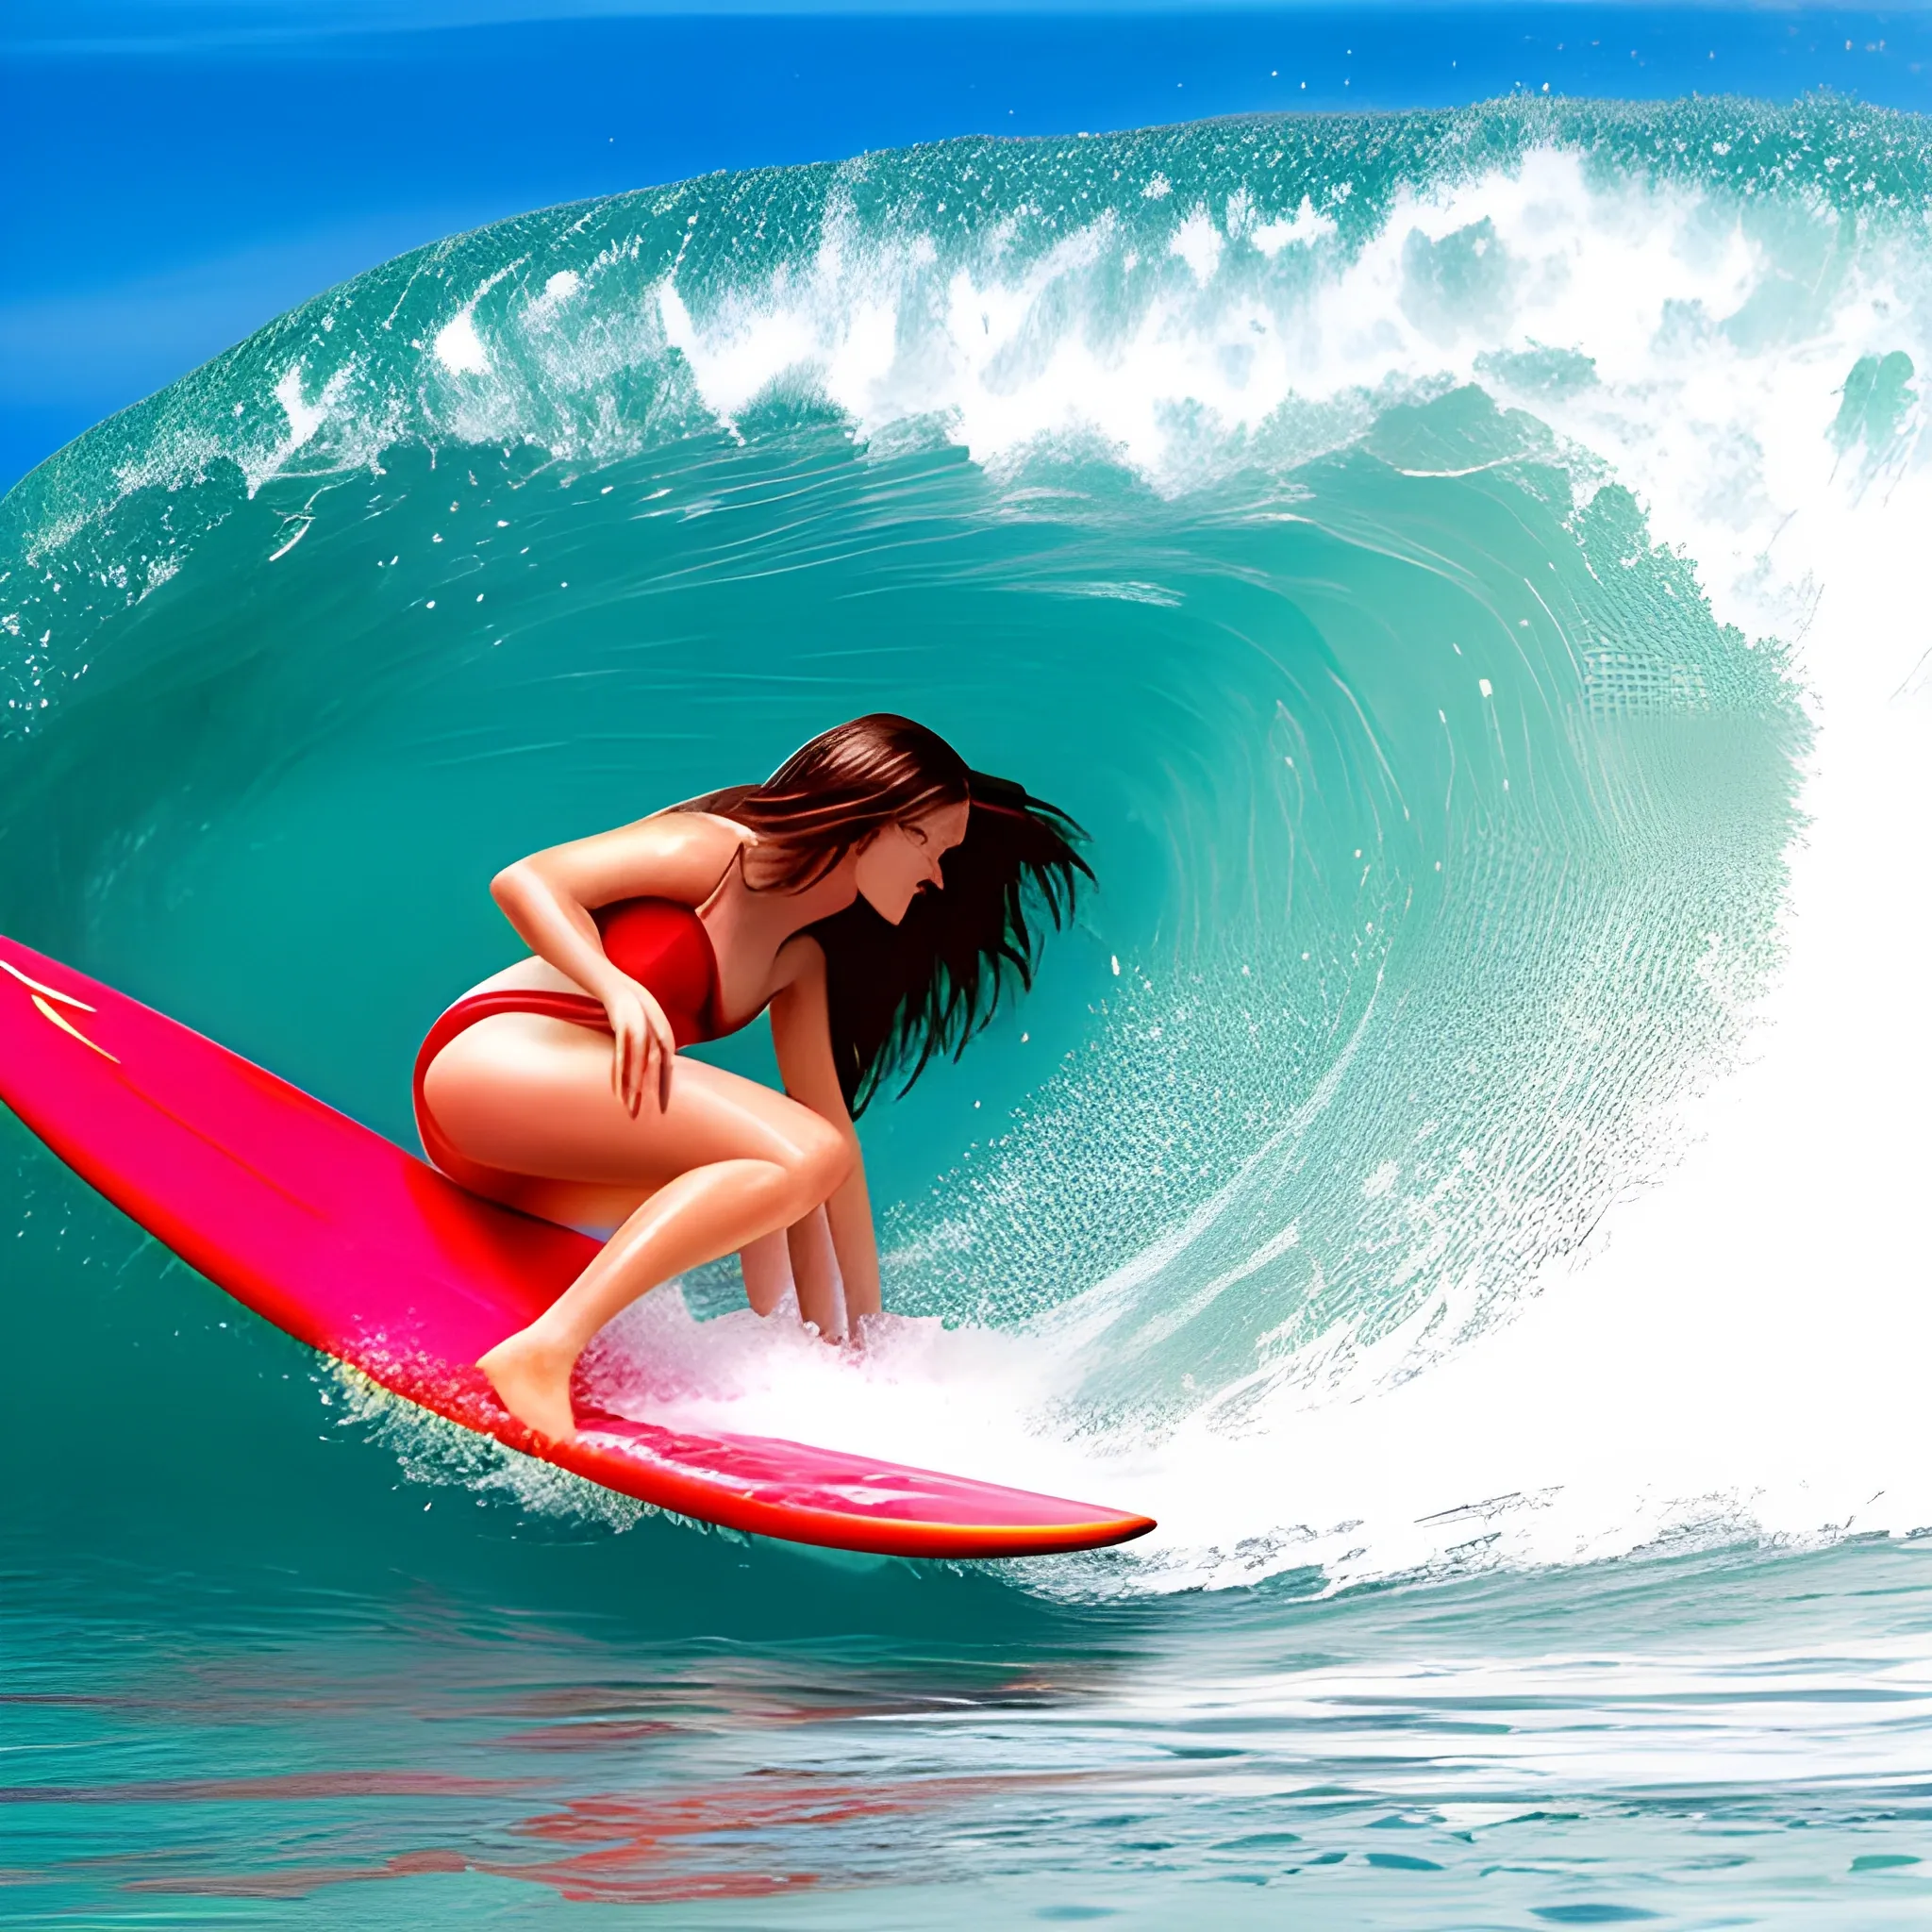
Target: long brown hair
899, 995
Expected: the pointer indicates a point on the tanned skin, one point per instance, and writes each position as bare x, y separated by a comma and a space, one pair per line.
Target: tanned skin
684, 1161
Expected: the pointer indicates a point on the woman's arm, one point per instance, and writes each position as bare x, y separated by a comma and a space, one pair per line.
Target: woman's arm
801, 1032
799, 1262
549, 898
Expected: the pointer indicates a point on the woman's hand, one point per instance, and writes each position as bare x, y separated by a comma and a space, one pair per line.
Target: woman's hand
550, 896
643, 1046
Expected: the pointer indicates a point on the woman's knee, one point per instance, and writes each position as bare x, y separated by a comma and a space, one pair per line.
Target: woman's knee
821, 1162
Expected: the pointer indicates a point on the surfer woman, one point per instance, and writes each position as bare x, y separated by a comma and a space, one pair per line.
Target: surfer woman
873, 893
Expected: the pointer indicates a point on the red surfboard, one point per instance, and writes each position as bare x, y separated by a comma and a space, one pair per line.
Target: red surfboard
364, 1252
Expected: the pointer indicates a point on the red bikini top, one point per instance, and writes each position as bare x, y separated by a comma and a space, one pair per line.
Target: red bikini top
665, 948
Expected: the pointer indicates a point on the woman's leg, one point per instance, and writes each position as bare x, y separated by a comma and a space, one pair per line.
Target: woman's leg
726, 1162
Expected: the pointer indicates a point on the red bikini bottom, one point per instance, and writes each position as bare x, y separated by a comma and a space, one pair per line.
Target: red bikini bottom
579, 1008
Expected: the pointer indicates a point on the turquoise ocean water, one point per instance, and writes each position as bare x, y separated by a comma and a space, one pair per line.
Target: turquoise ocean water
1464, 569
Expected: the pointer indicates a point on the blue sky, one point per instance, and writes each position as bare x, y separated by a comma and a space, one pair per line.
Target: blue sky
180, 173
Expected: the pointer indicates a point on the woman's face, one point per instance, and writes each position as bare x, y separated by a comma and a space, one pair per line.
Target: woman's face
905, 858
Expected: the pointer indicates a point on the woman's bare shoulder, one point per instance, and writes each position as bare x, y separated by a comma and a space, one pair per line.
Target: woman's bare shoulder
727, 833
672, 855
801, 961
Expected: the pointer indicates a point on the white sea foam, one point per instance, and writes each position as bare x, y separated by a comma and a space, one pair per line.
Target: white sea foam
1637, 278
1304, 228
968, 1399
459, 348
305, 417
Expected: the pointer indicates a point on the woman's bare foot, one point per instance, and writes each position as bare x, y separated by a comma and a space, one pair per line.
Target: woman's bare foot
532, 1379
